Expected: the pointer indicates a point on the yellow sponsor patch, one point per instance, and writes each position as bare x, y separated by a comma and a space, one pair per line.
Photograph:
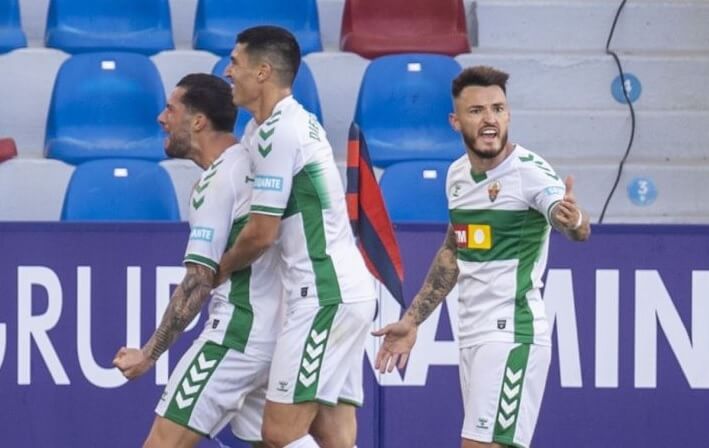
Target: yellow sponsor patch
479, 236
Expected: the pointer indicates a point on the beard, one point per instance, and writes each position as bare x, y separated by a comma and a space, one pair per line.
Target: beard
178, 145
471, 144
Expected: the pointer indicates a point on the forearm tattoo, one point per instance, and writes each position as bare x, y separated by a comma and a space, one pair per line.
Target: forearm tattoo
440, 280
185, 304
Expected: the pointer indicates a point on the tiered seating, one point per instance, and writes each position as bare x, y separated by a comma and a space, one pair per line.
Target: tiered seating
105, 105
373, 28
403, 107
11, 34
141, 26
219, 21
304, 90
120, 190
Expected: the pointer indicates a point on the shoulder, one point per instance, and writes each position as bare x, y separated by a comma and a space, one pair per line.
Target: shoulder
459, 167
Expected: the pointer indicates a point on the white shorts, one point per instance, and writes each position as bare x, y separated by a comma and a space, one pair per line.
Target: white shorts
213, 385
502, 385
319, 354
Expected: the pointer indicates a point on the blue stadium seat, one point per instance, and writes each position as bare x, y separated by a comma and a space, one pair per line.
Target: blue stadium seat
403, 106
219, 21
415, 191
105, 105
120, 190
304, 90
141, 26
11, 34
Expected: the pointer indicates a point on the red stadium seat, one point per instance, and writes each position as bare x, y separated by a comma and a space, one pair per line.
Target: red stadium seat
8, 149
373, 28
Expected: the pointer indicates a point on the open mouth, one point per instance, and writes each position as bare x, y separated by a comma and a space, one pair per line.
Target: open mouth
488, 134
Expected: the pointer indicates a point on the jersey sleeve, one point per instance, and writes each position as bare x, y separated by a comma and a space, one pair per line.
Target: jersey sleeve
211, 205
541, 186
274, 152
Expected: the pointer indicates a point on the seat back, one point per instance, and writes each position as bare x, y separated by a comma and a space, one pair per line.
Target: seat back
105, 105
373, 28
403, 107
141, 26
11, 34
120, 190
217, 22
416, 191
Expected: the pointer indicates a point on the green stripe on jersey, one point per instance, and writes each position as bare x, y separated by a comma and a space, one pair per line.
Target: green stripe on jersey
242, 319
267, 210
306, 387
516, 235
193, 258
511, 395
309, 197
193, 382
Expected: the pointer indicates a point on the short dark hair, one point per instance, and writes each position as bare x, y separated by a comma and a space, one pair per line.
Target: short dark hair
479, 75
275, 44
210, 95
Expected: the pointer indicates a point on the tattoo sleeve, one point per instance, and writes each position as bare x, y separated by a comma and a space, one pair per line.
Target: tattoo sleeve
440, 280
185, 303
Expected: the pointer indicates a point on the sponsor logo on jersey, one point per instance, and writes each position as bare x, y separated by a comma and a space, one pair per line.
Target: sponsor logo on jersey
455, 190
493, 190
271, 183
202, 234
554, 191
473, 236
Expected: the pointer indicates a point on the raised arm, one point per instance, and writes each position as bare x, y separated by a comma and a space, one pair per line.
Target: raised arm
400, 337
185, 304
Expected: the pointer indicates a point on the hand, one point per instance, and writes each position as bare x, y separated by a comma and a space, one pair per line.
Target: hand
567, 212
132, 362
399, 339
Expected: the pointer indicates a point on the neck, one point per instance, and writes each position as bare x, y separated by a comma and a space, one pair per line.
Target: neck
210, 146
481, 165
267, 102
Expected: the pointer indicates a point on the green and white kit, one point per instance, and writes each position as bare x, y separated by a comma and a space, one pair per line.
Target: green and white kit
501, 223
222, 376
324, 275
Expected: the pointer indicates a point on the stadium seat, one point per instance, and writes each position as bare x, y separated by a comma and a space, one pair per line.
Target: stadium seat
304, 90
120, 190
141, 26
403, 107
416, 191
373, 28
219, 21
8, 149
11, 34
105, 105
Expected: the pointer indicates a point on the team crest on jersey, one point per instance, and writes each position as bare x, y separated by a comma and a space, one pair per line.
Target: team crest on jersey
501, 324
493, 190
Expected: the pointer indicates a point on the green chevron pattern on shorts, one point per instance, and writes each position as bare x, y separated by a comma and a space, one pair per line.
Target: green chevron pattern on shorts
313, 354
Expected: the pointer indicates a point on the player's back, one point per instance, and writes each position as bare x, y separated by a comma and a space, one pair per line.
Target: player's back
245, 310
296, 178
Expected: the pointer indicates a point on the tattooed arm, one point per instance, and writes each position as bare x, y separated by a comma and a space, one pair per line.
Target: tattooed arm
400, 337
185, 304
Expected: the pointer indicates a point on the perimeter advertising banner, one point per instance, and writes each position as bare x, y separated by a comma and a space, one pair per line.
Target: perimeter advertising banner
630, 362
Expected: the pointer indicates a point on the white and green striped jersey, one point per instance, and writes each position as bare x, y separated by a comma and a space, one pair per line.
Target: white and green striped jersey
501, 222
296, 178
244, 312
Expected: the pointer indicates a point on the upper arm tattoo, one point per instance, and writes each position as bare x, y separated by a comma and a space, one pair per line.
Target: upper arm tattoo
185, 304
441, 278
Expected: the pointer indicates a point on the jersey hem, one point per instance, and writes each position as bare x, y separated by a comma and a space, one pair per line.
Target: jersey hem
204, 261
463, 343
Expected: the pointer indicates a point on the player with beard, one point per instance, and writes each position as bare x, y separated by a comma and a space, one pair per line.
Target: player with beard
502, 198
223, 376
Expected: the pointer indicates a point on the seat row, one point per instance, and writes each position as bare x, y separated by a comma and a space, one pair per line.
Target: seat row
104, 105
144, 26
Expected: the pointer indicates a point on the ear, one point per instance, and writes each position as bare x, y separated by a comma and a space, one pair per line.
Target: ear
264, 72
199, 122
453, 120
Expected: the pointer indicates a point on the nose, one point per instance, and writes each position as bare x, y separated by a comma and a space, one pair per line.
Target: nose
227, 71
489, 116
161, 118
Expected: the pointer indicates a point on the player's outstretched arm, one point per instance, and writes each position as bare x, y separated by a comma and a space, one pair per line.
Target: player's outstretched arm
186, 301
400, 337
258, 235
567, 216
